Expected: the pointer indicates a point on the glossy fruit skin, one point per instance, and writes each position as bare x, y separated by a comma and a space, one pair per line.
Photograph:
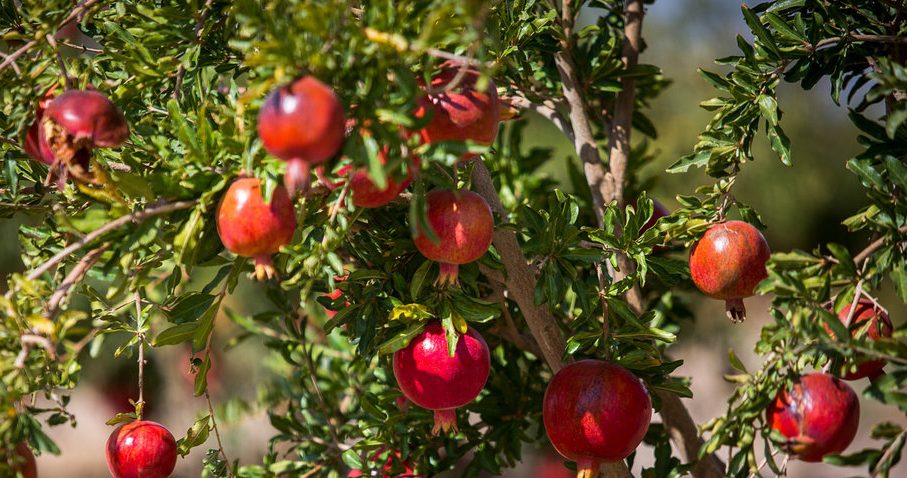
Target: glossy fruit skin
250, 227
463, 223
301, 123
388, 467
26, 465
461, 114
90, 115
870, 323
596, 412
434, 380
367, 195
728, 262
141, 449
819, 417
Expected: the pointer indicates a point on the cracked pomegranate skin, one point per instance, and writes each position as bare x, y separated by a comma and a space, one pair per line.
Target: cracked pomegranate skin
89, 114
141, 449
35, 143
434, 380
302, 121
879, 325
463, 223
596, 412
729, 260
461, 114
819, 417
250, 227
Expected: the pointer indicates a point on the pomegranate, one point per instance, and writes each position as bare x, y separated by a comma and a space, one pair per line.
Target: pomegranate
435, 380
551, 465
25, 461
460, 113
35, 143
869, 322
75, 123
367, 195
819, 416
463, 224
389, 467
302, 124
595, 412
728, 262
141, 449
250, 227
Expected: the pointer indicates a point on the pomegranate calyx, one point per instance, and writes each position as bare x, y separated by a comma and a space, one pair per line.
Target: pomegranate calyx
735, 309
587, 469
264, 268
448, 275
446, 421
296, 178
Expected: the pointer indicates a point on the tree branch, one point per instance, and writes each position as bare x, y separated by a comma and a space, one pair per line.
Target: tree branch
78, 10
874, 246
74, 276
135, 217
860, 38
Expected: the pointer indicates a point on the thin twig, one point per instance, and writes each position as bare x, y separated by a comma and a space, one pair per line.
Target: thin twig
310, 369
140, 405
861, 38
874, 246
78, 10
59, 295
136, 217
199, 25
30, 340
547, 109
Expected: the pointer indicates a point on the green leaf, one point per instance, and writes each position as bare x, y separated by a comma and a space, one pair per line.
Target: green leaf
419, 279
769, 108
780, 143
196, 435
189, 307
759, 30
698, 159
176, 334
401, 339
735, 361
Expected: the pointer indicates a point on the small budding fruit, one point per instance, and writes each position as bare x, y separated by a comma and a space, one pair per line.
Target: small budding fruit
433, 379
460, 113
388, 471
302, 124
75, 123
819, 416
728, 262
869, 322
141, 449
595, 412
250, 227
463, 224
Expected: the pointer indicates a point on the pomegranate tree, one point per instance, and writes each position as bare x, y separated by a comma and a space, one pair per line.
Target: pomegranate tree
871, 323
141, 449
728, 262
250, 227
301, 123
436, 380
819, 416
595, 412
463, 224
457, 110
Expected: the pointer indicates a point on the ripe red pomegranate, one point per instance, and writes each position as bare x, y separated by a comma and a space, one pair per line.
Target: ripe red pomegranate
35, 143
434, 380
869, 322
75, 123
595, 412
819, 417
25, 461
728, 262
367, 195
392, 459
250, 227
463, 224
141, 449
302, 124
461, 113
